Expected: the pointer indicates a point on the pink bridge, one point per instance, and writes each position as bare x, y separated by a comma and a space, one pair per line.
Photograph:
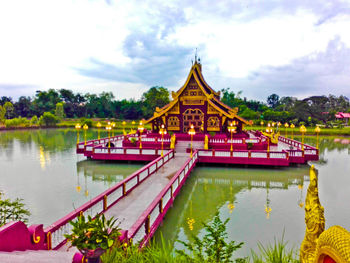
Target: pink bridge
141, 200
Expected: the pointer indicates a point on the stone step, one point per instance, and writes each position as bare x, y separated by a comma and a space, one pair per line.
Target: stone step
37, 256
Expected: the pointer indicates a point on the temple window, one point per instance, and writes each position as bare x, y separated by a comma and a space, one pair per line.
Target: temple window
213, 124
173, 121
194, 117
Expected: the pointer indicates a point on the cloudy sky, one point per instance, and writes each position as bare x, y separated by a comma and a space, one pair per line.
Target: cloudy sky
292, 48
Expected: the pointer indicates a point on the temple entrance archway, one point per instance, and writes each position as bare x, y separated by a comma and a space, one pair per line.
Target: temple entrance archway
195, 117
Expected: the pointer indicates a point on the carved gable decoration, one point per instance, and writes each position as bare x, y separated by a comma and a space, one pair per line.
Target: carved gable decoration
193, 94
175, 109
212, 110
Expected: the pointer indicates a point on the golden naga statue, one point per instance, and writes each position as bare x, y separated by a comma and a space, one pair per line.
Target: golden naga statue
319, 246
206, 140
172, 142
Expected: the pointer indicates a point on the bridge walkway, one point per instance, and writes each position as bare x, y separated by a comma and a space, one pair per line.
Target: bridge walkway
129, 209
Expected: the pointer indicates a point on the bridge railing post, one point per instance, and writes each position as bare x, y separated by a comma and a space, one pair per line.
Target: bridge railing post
104, 202
161, 205
147, 224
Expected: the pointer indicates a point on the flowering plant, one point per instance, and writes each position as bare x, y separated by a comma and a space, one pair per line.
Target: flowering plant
89, 234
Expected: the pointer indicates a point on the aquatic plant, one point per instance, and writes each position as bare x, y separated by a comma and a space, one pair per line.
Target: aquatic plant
212, 247
12, 210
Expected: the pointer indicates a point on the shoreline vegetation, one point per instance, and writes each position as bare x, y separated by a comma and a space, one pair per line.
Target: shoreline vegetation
63, 108
92, 123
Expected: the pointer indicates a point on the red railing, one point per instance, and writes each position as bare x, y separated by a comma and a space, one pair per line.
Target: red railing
244, 154
295, 143
91, 143
147, 224
99, 204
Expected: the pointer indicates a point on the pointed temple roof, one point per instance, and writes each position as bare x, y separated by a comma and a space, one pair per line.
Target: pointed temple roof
212, 96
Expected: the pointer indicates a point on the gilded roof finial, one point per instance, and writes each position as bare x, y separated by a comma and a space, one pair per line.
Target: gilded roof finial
195, 57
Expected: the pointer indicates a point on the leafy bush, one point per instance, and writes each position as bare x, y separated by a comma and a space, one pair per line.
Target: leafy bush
12, 210
16, 122
48, 119
59, 112
213, 247
34, 120
93, 233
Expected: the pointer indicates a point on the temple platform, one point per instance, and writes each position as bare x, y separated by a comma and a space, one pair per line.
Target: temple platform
254, 149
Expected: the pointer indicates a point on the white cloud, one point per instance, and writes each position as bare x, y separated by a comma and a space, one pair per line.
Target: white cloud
45, 43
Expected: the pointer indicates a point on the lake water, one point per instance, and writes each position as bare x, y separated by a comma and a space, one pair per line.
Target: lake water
41, 167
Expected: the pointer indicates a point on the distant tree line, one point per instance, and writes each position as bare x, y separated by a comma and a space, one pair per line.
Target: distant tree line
311, 110
65, 103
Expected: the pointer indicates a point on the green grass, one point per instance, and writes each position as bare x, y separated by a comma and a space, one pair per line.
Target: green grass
275, 253
310, 130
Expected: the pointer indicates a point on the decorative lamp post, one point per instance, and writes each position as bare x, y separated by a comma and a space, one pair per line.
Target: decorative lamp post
85, 127
292, 126
268, 131
99, 125
109, 128
124, 123
286, 125
133, 125
262, 124
77, 127
113, 126
140, 129
232, 129
302, 130
317, 130
278, 126
191, 132
162, 131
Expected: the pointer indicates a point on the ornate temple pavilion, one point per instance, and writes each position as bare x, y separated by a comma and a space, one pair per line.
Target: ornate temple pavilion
197, 104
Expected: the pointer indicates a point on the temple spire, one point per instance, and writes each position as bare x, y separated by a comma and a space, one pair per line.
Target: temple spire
195, 56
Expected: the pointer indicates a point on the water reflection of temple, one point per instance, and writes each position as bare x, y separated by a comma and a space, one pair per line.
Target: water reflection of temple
104, 171
210, 189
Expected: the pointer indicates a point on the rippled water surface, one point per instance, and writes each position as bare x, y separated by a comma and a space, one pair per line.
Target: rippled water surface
41, 167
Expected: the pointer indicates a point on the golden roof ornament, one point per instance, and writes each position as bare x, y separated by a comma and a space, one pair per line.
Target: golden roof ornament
314, 220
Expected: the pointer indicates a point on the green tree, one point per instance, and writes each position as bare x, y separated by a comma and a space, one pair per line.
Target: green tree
230, 98
273, 100
48, 119
23, 106
34, 120
2, 114
59, 112
10, 110
154, 97
45, 101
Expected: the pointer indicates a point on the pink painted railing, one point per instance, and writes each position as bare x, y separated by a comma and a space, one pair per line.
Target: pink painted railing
237, 141
122, 150
295, 153
295, 143
244, 154
147, 224
90, 144
309, 153
99, 204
